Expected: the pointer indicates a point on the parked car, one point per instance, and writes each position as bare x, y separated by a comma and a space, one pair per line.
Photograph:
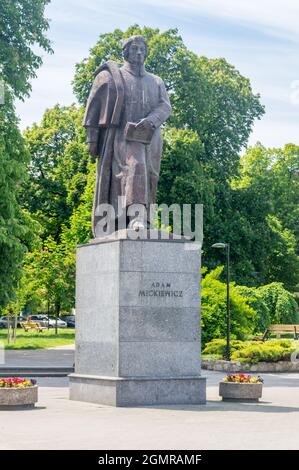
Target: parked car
44, 321
60, 323
41, 319
20, 319
4, 321
70, 320
71, 323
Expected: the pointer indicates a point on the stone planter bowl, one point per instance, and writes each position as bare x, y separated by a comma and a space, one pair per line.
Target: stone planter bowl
12, 398
246, 392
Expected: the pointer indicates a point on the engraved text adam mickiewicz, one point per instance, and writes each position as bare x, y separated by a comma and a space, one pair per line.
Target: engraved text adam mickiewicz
160, 289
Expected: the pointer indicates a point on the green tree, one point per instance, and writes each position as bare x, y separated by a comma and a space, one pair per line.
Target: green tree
13, 223
273, 175
183, 179
213, 310
49, 268
58, 168
50, 274
273, 304
256, 300
23, 27
266, 203
281, 304
79, 229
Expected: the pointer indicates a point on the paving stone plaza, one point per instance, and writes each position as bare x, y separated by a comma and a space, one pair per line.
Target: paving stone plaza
58, 423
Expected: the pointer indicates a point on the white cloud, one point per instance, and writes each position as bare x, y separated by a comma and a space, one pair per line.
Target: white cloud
280, 17
91, 13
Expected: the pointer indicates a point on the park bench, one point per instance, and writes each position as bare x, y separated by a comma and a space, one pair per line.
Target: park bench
32, 325
281, 330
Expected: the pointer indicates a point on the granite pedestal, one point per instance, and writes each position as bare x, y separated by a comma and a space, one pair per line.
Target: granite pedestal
138, 323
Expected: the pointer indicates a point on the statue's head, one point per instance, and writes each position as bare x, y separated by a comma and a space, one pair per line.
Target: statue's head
135, 49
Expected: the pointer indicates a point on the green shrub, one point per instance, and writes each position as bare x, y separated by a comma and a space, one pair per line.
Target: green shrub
252, 352
217, 347
211, 356
285, 343
270, 351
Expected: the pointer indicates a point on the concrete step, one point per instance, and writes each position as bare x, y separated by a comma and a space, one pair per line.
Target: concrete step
35, 371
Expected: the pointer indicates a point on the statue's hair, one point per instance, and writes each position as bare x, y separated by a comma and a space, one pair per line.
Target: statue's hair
128, 42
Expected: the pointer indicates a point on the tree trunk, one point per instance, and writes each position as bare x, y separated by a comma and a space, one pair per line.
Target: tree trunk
48, 315
9, 330
57, 312
14, 332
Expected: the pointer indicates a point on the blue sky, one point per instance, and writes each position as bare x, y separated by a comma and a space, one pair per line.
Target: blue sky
261, 38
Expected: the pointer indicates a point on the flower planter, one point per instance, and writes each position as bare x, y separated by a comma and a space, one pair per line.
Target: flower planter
245, 392
11, 398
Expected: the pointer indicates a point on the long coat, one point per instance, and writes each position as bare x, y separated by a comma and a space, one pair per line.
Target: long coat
130, 169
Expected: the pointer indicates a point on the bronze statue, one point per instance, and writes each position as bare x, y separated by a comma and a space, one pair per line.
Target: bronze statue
124, 112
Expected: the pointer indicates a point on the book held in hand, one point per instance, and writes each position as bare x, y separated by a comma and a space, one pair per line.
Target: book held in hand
141, 134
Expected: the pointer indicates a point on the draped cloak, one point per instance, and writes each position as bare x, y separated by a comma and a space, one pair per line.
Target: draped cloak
129, 169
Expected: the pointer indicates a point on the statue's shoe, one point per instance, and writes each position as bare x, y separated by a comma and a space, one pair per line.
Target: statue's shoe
136, 225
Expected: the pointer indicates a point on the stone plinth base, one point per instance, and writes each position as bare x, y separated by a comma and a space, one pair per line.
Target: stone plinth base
138, 323
131, 391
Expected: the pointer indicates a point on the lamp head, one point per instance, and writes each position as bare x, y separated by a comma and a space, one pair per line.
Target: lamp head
219, 245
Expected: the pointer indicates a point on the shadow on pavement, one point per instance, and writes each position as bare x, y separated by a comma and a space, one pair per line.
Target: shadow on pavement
218, 405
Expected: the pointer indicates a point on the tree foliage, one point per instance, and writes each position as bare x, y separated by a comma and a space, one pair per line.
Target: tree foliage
183, 179
252, 309
50, 274
213, 310
13, 226
58, 168
280, 303
23, 27
266, 196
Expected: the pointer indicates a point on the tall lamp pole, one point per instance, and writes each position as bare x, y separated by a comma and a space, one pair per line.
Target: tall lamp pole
227, 251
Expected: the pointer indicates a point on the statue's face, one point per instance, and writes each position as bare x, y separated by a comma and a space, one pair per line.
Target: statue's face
136, 53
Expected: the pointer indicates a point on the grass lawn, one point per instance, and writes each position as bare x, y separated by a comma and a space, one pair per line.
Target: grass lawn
35, 340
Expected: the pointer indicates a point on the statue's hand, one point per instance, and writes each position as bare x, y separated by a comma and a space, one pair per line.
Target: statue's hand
93, 149
145, 124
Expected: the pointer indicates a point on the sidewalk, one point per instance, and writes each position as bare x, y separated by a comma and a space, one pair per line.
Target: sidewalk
61, 356
58, 423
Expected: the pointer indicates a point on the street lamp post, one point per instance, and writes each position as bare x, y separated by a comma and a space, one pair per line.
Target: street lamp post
227, 250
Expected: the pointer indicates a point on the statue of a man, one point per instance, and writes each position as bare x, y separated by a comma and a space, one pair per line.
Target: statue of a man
124, 112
